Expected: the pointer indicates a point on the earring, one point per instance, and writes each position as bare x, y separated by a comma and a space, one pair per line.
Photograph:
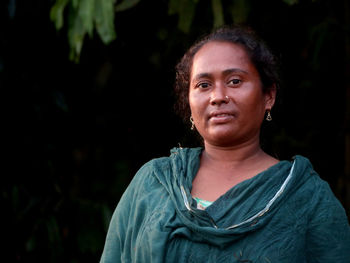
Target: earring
191, 120
268, 117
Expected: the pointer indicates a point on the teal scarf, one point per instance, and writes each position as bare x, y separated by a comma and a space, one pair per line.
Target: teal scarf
284, 214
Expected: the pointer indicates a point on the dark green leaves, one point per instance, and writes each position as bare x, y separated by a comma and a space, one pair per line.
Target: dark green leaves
104, 18
56, 13
85, 16
291, 2
185, 9
126, 4
218, 13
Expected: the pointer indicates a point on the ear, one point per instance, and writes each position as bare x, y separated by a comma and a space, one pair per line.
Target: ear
270, 97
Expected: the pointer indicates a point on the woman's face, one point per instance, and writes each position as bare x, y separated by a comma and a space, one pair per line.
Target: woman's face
225, 95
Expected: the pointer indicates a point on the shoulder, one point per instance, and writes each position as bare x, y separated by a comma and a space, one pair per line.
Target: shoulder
149, 172
154, 165
178, 159
145, 184
155, 178
322, 202
328, 231
312, 179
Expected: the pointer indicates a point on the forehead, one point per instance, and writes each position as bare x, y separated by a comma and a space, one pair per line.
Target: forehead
220, 56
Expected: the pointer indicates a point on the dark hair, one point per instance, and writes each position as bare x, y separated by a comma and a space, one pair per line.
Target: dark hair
261, 56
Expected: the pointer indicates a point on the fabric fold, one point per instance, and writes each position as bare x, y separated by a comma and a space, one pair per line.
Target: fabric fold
286, 213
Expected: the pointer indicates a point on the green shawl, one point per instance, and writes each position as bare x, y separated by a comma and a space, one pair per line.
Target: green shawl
284, 214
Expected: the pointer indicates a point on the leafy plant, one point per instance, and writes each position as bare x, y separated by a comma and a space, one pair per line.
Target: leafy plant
86, 16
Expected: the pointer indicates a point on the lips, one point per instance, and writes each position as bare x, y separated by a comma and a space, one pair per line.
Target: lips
221, 116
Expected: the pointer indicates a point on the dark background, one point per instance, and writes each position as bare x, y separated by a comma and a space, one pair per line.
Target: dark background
77, 132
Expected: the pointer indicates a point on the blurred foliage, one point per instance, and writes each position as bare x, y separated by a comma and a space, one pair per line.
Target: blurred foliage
81, 130
86, 15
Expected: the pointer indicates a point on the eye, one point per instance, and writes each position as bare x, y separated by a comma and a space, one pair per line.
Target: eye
235, 82
203, 85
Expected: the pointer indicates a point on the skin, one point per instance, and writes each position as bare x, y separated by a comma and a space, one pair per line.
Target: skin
228, 106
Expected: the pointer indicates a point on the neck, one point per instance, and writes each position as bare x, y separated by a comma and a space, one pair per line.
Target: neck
221, 168
233, 156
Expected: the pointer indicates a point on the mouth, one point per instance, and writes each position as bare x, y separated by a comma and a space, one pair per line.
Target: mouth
221, 117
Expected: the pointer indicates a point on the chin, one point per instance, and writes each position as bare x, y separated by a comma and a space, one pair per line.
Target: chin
221, 138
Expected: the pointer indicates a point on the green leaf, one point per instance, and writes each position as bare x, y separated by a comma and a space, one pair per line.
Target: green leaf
104, 20
173, 7
86, 13
240, 10
75, 3
76, 34
52, 230
56, 13
218, 13
291, 2
186, 16
126, 4
185, 9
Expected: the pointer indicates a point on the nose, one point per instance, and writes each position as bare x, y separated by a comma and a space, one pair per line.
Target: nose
218, 96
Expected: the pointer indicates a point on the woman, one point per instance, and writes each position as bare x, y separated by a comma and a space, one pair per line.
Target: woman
228, 201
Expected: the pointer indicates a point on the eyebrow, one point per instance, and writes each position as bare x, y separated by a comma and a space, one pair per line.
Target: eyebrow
225, 72
234, 70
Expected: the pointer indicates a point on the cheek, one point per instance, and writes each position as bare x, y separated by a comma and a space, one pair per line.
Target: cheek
252, 108
194, 103
254, 101
190, 102
198, 107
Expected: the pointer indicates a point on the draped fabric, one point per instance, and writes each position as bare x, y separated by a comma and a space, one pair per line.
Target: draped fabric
284, 214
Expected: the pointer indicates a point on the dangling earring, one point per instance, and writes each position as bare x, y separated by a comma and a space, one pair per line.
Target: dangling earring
191, 120
268, 117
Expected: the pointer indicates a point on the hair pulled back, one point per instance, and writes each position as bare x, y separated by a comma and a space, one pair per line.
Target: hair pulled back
260, 55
